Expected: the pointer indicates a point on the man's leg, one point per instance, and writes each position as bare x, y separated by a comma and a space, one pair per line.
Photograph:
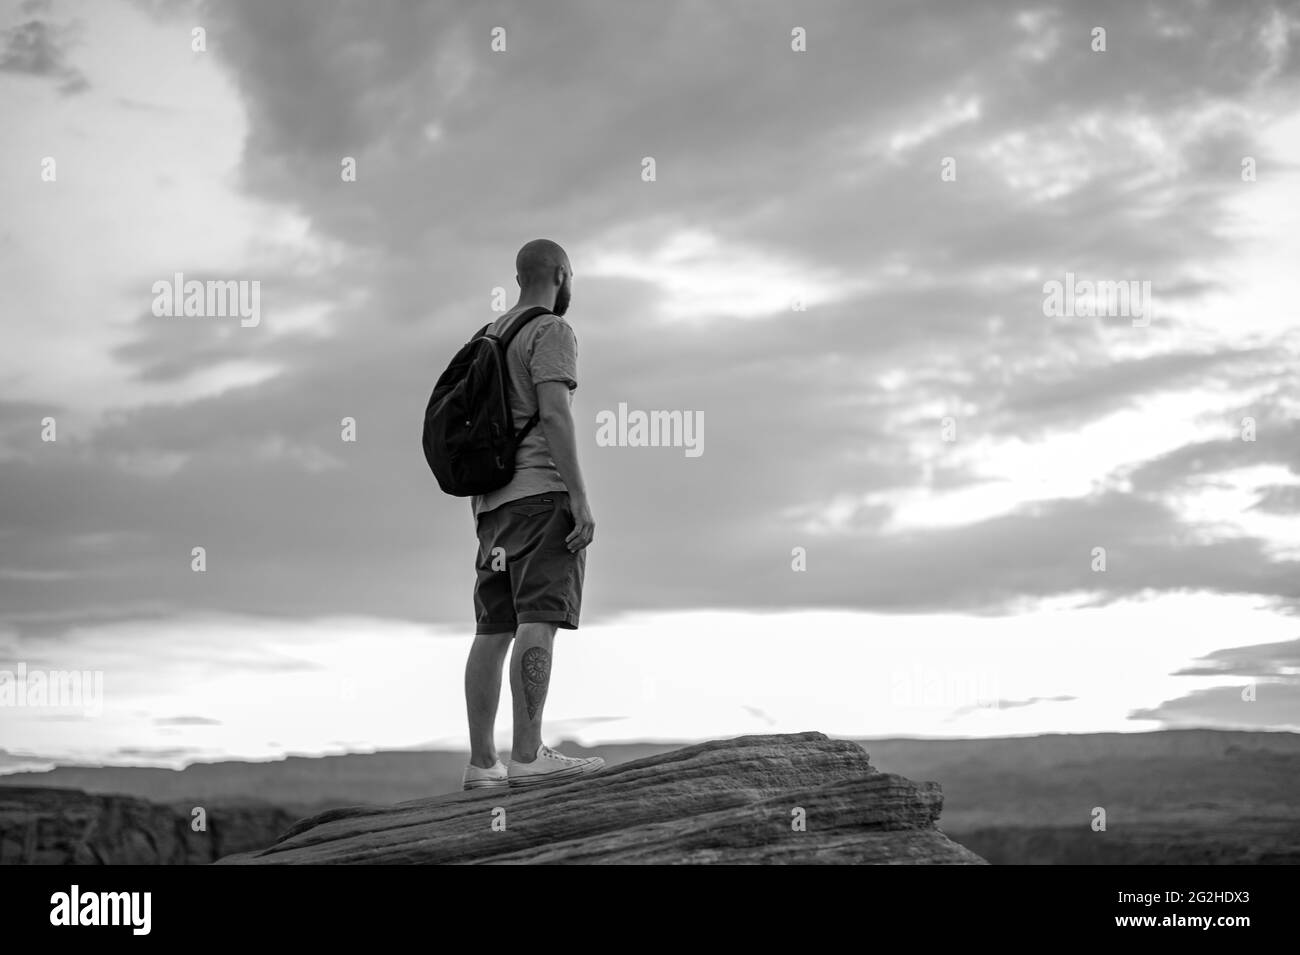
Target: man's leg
546, 595
483, 695
530, 677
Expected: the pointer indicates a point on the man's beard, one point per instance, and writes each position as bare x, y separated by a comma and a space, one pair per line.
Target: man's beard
562, 300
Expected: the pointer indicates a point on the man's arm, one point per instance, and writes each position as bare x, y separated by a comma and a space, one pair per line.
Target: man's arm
556, 419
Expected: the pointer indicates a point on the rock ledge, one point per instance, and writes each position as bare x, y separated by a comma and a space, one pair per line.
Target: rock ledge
725, 801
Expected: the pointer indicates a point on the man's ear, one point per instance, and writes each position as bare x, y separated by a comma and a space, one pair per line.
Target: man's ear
519, 281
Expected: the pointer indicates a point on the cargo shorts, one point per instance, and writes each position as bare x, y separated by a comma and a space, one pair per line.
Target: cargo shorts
525, 573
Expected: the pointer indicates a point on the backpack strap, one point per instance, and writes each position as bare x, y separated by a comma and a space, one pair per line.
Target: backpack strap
522, 319
532, 422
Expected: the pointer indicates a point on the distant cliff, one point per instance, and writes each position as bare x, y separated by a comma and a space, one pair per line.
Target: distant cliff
759, 799
68, 827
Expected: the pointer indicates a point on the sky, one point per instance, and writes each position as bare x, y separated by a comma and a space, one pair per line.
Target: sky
926, 503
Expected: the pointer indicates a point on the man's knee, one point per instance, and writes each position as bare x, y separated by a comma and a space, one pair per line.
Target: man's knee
493, 641
537, 632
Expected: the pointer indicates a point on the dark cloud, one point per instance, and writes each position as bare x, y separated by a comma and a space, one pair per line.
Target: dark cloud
1259, 660
1271, 699
1016, 704
39, 48
1277, 442
1081, 394
157, 752
1276, 703
1008, 704
1280, 499
19, 762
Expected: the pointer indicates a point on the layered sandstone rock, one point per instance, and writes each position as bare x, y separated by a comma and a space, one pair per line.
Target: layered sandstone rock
799, 798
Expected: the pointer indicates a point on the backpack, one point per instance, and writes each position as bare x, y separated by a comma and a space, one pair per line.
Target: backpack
469, 432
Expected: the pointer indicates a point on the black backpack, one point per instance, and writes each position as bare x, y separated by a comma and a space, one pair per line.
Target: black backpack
469, 432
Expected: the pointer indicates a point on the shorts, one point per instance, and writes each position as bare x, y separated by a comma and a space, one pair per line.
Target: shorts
525, 571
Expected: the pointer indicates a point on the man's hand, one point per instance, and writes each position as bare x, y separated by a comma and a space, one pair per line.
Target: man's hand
584, 525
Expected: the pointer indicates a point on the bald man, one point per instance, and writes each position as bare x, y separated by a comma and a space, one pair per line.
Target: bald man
541, 524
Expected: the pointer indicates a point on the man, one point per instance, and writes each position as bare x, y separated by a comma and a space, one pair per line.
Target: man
532, 535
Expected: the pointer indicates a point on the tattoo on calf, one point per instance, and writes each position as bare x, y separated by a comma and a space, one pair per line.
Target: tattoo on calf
535, 668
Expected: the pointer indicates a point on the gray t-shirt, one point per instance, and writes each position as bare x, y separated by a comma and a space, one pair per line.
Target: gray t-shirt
544, 350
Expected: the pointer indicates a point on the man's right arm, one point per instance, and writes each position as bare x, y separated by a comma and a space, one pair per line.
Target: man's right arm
555, 416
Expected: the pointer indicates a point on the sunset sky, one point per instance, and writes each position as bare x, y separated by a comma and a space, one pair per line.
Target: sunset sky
864, 338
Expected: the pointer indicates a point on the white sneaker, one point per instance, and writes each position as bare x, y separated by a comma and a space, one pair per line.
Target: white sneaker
550, 766
476, 778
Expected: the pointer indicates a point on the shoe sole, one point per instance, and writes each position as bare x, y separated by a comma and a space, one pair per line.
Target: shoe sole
484, 784
560, 775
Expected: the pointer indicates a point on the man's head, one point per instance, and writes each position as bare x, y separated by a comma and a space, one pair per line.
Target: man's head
541, 269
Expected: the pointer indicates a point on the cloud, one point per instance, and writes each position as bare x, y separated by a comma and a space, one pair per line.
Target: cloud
1275, 705
1259, 661
39, 48
1280, 499
1270, 697
984, 705
157, 753
1012, 704
23, 763
775, 179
